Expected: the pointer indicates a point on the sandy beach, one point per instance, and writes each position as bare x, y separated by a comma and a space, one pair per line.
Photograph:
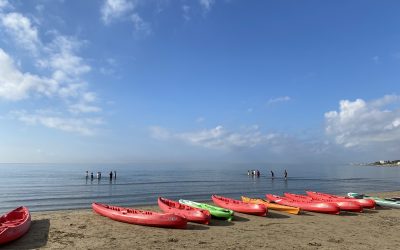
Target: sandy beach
82, 229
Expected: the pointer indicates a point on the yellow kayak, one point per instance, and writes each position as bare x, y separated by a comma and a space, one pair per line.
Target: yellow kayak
272, 206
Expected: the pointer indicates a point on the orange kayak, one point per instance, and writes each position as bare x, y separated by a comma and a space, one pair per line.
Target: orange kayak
272, 206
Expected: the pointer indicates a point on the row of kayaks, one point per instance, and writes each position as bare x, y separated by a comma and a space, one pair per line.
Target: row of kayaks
323, 203
176, 214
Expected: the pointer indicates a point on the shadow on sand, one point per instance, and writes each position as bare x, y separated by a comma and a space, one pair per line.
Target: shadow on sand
273, 215
348, 213
379, 208
237, 218
220, 222
370, 211
192, 226
36, 237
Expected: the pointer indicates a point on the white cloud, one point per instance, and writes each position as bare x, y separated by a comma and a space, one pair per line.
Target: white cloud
62, 83
114, 9
85, 104
159, 133
15, 85
279, 99
21, 30
83, 126
186, 12
361, 123
217, 138
4, 4
83, 108
62, 59
200, 119
376, 59
117, 9
207, 4
110, 68
140, 25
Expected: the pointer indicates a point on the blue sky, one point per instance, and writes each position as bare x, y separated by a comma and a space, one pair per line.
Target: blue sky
199, 80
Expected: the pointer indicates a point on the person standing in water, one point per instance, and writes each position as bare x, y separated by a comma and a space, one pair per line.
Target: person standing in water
115, 174
111, 175
272, 174
87, 174
285, 174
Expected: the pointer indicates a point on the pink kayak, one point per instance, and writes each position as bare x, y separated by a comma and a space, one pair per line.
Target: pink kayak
351, 206
239, 206
14, 224
364, 203
139, 217
319, 207
190, 213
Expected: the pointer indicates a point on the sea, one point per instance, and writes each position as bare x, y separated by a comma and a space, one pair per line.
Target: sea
43, 187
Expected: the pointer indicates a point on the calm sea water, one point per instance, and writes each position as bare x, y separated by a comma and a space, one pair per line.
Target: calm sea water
54, 187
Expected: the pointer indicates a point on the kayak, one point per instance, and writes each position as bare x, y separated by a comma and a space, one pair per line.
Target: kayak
346, 205
365, 203
319, 207
140, 217
388, 202
215, 211
239, 206
190, 213
14, 224
272, 206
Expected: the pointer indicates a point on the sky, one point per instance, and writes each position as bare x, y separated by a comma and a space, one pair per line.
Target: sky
199, 80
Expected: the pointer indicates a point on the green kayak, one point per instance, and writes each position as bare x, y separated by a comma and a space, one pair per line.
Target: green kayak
393, 203
215, 211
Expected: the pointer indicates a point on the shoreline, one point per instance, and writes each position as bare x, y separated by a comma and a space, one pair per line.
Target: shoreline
83, 229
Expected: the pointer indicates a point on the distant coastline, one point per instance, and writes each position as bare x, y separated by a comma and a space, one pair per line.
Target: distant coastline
382, 163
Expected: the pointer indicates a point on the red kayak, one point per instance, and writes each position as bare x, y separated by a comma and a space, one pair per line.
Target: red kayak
364, 203
239, 206
319, 207
351, 206
190, 213
14, 224
139, 217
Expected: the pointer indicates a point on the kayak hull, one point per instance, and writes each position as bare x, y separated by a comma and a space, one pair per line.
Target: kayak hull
239, 206
140, 217
272, 206
215, 211
190, 213
346, 205
379, 201
318, 207
14, 224
364, 203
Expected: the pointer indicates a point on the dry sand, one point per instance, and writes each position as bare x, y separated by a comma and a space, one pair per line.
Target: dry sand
82, 229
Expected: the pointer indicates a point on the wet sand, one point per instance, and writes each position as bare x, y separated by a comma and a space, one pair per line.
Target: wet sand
82, 229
